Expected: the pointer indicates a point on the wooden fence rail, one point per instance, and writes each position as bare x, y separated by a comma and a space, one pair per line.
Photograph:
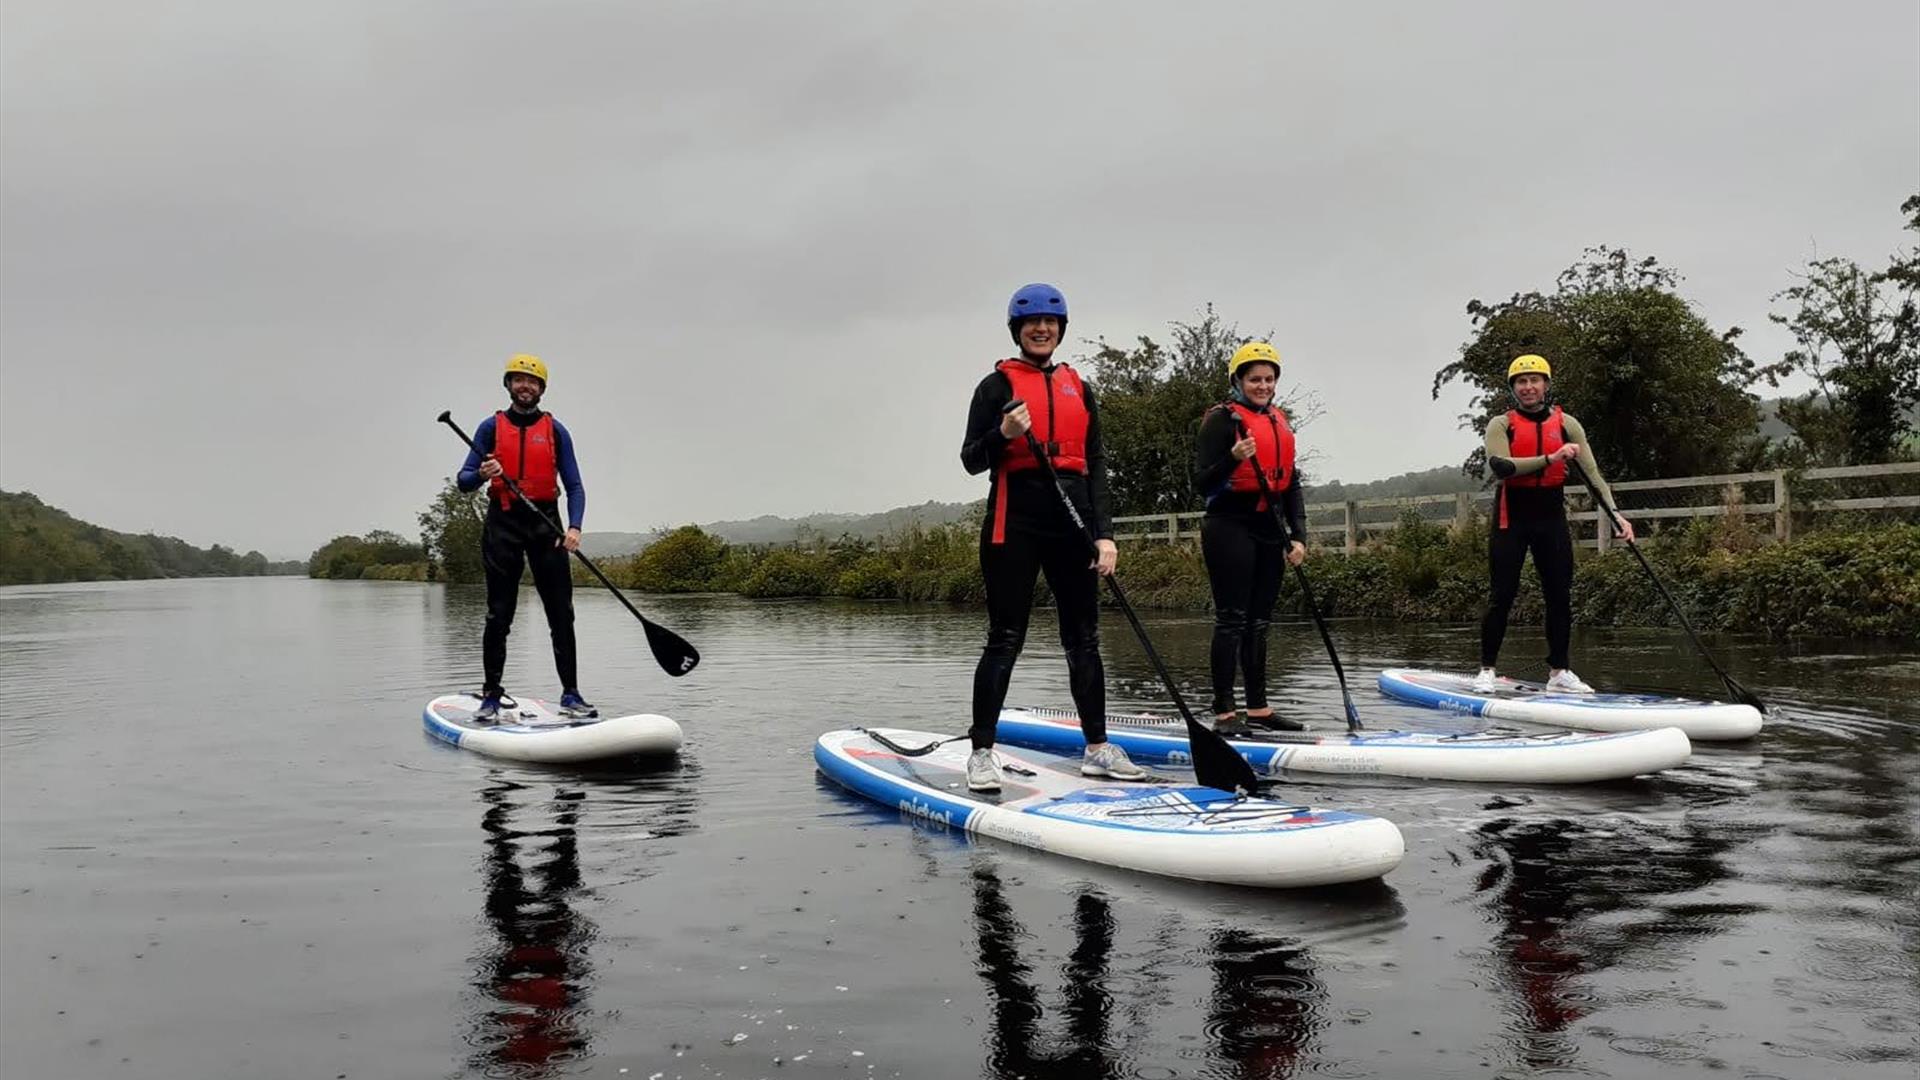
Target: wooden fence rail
1727, 499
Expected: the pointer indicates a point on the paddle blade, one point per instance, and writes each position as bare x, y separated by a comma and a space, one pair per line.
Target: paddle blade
676, 657
1743, 695
1216, 764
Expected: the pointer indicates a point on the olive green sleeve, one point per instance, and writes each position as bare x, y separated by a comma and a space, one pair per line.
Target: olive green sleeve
1500, 453
1588, 463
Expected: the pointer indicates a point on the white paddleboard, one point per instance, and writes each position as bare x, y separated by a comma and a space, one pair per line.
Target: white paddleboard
1180, 830
1513, 699
1551, 757
532, 730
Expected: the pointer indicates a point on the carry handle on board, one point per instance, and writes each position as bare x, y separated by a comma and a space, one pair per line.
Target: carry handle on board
1216, 764
676, 657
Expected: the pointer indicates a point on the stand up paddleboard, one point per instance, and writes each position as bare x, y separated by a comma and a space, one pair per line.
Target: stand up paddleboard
1534, 703
1558, 757
529, 730
1182, 831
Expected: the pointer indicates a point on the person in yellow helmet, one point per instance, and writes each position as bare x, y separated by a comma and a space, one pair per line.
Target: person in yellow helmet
1528, 449
1244, 466
533, 449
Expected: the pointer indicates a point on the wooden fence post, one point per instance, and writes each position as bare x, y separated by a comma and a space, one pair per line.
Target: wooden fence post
1353, 527
1602, 523
1462, 510
1782, 508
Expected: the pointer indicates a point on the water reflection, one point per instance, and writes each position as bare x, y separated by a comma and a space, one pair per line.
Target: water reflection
1018, 1046
1573, 898
534, 972
1266, 1006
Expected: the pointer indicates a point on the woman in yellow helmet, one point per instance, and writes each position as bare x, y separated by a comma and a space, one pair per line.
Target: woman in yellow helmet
1244, 465
1528, 449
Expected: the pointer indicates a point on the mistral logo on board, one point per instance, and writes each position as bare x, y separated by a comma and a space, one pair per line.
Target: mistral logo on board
921, 809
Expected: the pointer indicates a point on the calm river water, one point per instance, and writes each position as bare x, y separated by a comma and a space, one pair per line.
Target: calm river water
228, 850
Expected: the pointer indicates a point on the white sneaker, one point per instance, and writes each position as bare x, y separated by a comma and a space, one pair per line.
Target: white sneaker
1106, 759
983, 773
1566, 682
1486, 682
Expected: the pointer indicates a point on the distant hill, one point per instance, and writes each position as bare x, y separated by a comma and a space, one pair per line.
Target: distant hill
1442, 480
41, 544
768, 529
1773, 429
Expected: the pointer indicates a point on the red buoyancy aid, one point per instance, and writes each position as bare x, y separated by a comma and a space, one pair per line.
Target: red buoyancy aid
528, 456
1528, 437
1273, 449
1057, 402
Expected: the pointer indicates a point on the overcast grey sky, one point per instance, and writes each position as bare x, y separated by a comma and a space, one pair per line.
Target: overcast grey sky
248, 251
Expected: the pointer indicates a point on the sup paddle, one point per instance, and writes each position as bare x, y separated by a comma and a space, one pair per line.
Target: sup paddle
1306, 589
1740, 693
1216, 764
676, 657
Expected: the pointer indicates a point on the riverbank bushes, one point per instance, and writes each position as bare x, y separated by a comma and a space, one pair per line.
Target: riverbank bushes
1859, 582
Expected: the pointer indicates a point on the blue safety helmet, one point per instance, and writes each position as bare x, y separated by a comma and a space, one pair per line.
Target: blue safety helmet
1035, 299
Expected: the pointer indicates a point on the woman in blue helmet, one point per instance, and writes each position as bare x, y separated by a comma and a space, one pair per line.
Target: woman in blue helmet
1027, 532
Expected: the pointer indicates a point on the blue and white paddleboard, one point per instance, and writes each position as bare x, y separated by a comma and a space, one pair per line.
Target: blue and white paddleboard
530, 730
1557, 757
1534, 703
1182, 831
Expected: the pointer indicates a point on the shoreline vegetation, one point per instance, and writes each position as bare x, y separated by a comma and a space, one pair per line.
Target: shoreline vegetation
1661, 391
1857, 581
41, 544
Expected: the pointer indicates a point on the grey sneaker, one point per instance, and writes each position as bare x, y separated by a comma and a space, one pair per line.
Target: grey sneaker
1486, 682
1565, 681
983, 773
1108, 760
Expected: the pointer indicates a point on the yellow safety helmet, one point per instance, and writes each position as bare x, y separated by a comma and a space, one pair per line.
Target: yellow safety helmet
1529, 364
1253, 352
524, 364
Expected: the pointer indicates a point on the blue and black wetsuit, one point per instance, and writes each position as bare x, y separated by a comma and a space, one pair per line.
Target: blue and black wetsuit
516, 535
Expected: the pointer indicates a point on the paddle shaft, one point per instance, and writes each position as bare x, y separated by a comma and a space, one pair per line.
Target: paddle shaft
1306, 588
1740, 693
675, 655
1243, 779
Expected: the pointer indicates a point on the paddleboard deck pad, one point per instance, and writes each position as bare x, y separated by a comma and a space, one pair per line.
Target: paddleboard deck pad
532, 730
1532, 702
1182, 831
1557, 757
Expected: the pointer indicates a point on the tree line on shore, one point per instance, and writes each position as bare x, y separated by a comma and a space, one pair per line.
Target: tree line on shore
1661, 391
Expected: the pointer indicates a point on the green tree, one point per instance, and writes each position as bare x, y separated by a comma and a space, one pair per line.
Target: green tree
1152, 400
1858, 338
347, 558
39, 543
684, 560
1658, 391
450, 529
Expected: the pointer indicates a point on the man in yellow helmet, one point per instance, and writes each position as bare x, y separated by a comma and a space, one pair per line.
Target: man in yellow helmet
1528, 449
532, 449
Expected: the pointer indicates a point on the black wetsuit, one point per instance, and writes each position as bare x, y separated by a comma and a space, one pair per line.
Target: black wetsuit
1245, 552
1034, 536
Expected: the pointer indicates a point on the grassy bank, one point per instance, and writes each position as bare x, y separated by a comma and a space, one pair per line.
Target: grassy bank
1853, 582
